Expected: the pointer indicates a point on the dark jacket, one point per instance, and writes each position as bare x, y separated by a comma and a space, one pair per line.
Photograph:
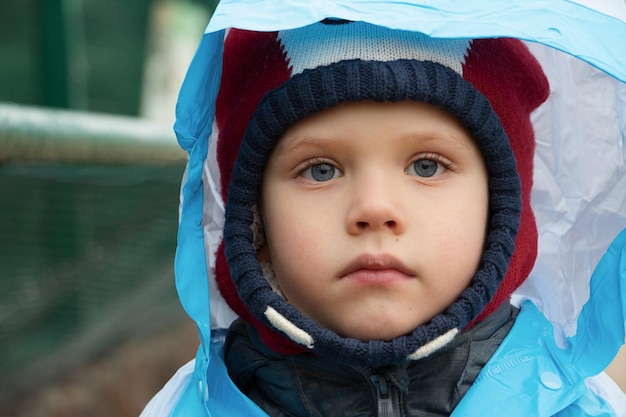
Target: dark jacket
307, 385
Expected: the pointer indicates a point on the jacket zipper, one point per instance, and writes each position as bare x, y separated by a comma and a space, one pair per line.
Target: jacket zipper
387, 402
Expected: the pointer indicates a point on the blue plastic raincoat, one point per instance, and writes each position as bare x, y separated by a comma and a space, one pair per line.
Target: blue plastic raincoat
573, 306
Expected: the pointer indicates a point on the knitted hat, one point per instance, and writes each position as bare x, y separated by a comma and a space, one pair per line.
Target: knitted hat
273, 79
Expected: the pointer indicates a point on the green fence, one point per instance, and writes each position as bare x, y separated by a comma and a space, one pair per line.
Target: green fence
88, 209
84, 54
88, 202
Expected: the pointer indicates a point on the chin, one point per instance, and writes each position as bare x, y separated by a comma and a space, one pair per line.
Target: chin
384, 332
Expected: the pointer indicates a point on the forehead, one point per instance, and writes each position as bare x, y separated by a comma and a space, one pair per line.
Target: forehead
408, 120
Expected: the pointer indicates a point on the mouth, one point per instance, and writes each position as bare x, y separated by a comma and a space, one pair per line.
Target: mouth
376, 269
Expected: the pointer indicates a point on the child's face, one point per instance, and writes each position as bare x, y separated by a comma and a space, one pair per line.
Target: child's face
375, 215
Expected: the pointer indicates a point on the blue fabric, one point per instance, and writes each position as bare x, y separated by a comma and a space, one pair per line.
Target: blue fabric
211, 392
588, 34
513, 371
194, 118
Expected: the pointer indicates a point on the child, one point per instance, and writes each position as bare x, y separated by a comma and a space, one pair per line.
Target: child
377, 186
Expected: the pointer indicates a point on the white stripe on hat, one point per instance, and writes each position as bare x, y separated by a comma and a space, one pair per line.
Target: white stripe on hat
321, 44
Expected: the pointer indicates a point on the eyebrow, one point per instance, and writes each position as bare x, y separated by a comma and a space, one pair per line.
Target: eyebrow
450, 140
443, 138
296, 142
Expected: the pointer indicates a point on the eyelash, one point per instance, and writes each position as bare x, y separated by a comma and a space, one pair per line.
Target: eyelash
445, 162
306, 165
439, 159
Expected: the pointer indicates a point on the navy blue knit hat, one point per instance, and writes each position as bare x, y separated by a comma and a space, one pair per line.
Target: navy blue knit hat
272, 80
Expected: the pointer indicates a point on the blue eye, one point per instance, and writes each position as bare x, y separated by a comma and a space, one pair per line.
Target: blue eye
426, 168
320, 172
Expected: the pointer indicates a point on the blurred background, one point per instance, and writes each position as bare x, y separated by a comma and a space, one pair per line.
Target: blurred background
90, 324
90, 171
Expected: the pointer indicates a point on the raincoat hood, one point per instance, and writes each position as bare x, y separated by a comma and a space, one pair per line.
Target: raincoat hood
579, 174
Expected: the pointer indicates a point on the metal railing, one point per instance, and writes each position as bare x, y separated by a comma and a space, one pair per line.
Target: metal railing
40, 134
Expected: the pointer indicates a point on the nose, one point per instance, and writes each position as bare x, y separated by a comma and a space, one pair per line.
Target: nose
375, 206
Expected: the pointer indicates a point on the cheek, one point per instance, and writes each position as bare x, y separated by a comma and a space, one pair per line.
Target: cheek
297, 262
303, 247
469, 222
462, 234
292, 236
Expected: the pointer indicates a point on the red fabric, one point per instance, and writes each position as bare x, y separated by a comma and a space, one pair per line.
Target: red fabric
514, 83
241, 93
237, 100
